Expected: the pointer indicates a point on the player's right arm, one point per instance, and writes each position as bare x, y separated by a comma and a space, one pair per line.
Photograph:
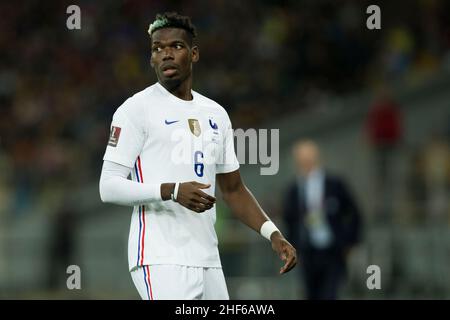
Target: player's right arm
116, 188
128, 132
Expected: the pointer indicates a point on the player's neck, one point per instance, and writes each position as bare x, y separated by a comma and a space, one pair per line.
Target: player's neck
182, 90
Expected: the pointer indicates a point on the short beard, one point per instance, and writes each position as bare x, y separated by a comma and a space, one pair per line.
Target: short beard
172, 84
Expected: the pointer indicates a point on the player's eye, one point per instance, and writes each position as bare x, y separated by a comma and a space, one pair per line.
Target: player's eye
157, 49
178, 46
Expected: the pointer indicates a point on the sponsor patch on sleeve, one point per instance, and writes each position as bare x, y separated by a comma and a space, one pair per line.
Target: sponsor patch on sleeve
114, 136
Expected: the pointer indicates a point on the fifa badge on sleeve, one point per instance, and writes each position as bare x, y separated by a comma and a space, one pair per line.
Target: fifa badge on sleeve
114, 136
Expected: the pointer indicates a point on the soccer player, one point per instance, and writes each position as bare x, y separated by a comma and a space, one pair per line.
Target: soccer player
175, 143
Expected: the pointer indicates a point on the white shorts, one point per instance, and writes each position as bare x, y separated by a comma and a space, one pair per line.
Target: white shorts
176, 282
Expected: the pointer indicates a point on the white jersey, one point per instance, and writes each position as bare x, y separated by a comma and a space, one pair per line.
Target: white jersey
166, 139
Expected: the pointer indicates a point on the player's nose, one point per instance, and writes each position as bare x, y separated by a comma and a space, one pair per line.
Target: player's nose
168, 54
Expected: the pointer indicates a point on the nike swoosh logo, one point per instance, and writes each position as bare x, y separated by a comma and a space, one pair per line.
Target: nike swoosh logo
170, 122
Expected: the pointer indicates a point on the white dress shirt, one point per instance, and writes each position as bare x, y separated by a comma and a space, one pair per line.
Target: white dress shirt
316, 222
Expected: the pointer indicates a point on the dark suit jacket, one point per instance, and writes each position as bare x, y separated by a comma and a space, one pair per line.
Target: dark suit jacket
341, 213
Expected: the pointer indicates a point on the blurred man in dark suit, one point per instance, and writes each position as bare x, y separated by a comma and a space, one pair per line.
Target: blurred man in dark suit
323, 223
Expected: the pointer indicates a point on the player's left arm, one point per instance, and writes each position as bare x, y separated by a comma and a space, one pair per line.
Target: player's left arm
247, 209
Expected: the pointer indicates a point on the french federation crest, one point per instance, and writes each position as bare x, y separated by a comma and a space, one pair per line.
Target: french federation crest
194, 125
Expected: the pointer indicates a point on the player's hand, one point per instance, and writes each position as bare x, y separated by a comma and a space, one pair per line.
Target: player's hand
285, 251
192, 197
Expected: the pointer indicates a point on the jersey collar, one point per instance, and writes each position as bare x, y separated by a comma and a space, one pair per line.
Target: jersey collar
175, 98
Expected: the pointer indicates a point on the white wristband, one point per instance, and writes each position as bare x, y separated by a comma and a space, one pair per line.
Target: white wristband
267, 229
175, 192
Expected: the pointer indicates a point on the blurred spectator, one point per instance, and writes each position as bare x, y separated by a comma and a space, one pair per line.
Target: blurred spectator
323, 223
436, 163
416, 188
62, 246
384, 129
398, 52
429, 179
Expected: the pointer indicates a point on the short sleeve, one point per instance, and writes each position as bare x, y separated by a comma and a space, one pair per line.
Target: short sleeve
229, 162
126, 140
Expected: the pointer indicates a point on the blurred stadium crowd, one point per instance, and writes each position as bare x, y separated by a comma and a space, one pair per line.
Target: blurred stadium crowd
260, 59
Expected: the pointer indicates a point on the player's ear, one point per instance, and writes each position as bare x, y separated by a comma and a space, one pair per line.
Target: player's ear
195, 54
